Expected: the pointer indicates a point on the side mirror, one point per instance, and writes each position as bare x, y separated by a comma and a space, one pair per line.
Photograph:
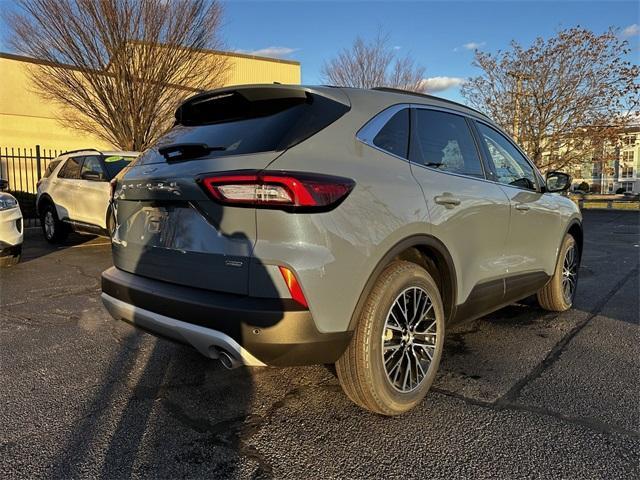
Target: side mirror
92, 176
558, 181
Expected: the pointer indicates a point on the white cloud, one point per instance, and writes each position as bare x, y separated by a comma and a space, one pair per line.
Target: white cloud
438, 84
276, 52
470, 46
397, 47
631, 30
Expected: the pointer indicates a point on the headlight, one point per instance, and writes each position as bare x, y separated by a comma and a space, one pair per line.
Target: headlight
7, 202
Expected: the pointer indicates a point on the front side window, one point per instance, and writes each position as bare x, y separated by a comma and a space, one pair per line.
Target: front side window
506, 163
71, 169
394, 136
444, 141
92, 166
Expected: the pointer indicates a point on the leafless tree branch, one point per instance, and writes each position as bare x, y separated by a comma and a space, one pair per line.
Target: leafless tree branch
373, 64
128, 62
564, 98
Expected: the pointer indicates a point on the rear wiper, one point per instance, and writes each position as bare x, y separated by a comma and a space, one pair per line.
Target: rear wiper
186, 151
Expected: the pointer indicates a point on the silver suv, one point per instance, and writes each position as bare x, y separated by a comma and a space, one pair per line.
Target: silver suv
290, 225
74, 192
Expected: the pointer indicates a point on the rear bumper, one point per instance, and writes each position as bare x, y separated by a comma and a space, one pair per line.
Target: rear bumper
255, 331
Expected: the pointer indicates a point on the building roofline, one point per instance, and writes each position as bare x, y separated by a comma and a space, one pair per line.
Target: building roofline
38, 61
23, 58
233, 54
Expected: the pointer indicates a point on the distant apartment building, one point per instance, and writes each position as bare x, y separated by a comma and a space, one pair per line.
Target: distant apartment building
621, 171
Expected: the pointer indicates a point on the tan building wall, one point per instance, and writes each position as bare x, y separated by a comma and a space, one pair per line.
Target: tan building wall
27, 120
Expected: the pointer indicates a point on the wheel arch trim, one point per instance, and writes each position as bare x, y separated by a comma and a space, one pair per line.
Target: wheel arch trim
45, 197
574, 224
418, 240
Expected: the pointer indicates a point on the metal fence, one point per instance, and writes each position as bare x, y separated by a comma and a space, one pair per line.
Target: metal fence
23, 167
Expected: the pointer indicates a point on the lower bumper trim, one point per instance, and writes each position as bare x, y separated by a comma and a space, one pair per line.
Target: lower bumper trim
207, 341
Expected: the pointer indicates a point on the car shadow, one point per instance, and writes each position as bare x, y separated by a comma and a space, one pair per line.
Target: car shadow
35, 246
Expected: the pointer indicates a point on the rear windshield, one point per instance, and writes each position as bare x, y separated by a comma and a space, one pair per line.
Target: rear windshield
232, 125
115, 163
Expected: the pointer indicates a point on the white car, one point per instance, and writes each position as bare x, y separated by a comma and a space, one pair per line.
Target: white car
11, 230
75, 192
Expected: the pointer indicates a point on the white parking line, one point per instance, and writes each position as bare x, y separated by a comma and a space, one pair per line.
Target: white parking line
86, 245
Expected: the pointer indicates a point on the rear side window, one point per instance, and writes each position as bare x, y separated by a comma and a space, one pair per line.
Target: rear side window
394, 136
50, 168
444, 141
71, 168
251, 122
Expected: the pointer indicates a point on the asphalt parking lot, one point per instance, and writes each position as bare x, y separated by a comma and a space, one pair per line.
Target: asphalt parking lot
521, 392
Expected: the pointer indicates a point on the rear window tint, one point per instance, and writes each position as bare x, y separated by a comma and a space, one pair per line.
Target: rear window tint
236, 126
71, 168
394, 136
50, 168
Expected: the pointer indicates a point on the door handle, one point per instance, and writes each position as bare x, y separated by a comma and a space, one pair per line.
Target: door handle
447, 200
522, 207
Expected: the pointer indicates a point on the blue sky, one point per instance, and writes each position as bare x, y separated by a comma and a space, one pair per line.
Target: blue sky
439, 35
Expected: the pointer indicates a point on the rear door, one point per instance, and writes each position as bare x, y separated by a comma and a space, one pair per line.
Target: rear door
92, 198
468, 214
535, 227
168, 227
63, 188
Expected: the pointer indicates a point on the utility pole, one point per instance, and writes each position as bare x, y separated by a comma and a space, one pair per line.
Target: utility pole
517, 114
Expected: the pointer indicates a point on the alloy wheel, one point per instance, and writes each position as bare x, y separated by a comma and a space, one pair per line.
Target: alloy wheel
409, 339
569, 274
49, 224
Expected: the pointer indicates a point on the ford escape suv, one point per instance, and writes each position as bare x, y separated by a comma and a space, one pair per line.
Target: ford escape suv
289, 225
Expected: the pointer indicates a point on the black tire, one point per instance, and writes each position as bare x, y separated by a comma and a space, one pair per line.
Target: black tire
9, 261
365, 371
553, 296
53, 229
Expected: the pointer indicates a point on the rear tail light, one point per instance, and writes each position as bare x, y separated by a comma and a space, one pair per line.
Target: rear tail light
292, 191
293, 286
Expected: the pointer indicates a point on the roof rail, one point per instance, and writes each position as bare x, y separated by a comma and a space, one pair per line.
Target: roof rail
425, 95
80, 150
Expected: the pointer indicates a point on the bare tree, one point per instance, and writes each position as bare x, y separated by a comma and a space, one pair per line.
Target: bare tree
373, 64
128, 63
563, 99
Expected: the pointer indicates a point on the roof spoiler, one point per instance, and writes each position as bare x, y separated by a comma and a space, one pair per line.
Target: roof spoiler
253, 93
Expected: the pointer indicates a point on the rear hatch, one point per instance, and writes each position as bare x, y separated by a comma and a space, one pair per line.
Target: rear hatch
168, 228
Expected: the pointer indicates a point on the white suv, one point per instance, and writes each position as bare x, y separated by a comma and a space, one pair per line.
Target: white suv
74, 192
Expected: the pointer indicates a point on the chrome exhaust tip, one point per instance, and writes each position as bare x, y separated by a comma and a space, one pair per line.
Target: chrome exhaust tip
227, 360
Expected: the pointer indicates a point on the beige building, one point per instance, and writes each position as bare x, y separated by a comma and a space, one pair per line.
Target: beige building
27, 120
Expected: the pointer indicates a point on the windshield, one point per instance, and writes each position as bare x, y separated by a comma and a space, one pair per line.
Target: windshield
229, 124
115, 163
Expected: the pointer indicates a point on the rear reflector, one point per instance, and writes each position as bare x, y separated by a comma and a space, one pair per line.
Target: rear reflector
293, 286
293, 191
